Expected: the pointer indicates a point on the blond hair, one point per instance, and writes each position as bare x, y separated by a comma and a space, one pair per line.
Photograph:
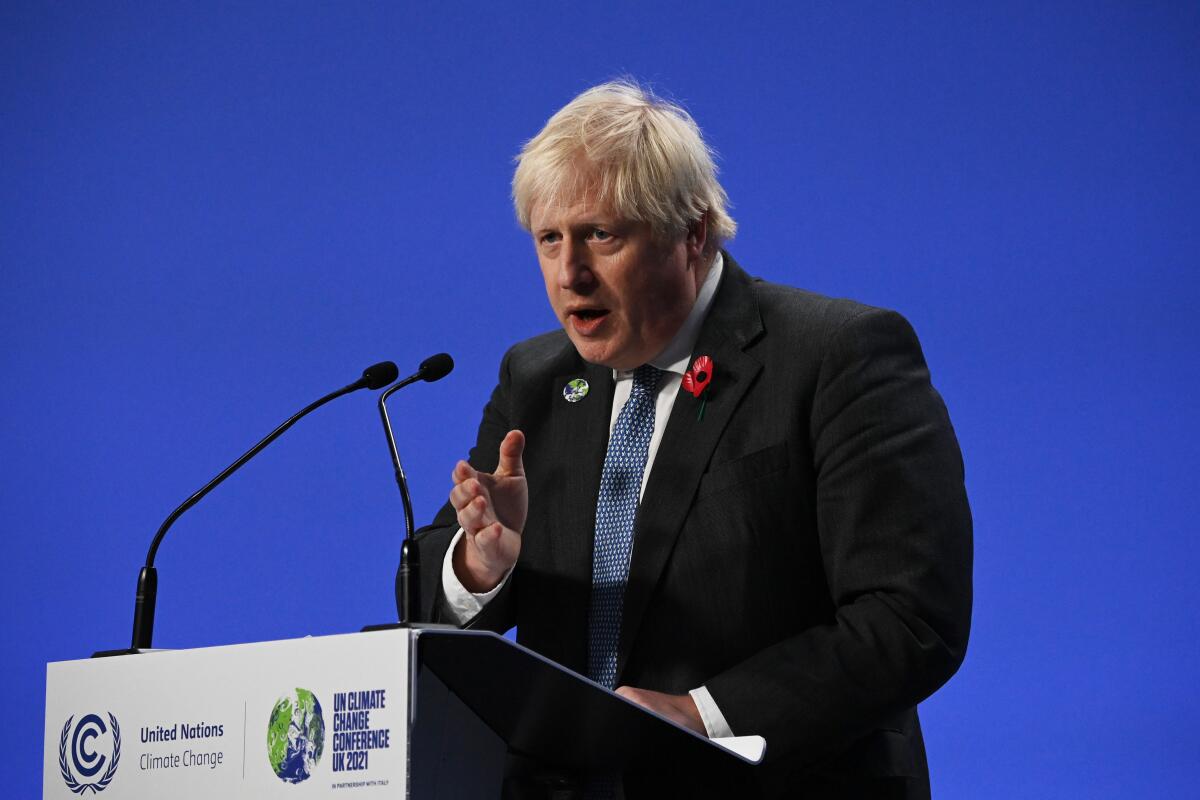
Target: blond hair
643, 156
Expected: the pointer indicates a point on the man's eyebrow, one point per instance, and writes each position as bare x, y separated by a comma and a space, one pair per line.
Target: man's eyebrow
587, 224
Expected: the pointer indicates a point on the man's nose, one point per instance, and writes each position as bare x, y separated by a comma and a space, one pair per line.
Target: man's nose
575, 266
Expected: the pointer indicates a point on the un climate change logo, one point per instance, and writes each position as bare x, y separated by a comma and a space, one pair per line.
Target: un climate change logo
84, 756
296, 736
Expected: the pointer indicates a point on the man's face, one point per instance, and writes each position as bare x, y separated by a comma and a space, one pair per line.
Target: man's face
620, 295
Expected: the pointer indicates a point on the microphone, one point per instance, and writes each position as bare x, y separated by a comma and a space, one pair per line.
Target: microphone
375, 376
408, 582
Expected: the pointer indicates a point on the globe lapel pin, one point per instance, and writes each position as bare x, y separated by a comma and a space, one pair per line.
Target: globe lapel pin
575, 390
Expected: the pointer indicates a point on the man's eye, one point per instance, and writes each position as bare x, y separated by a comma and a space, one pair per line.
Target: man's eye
549, 238
601, 235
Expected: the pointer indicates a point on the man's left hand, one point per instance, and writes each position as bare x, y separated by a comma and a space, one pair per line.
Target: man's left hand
679, 708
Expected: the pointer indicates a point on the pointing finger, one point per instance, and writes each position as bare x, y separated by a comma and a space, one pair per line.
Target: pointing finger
510, 454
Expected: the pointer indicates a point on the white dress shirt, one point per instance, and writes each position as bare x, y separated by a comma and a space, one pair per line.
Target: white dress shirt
674, 361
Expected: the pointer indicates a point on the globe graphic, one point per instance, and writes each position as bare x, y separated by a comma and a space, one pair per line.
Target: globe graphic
296, 736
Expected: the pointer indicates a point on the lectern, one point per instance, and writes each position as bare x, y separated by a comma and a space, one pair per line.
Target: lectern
421, 713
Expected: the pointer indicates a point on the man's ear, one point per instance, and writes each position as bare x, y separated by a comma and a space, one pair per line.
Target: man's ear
697, 237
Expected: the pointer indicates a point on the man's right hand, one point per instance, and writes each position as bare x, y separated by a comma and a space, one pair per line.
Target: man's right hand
491, 510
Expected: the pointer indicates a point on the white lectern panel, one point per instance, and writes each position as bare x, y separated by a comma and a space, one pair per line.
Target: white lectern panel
323, 717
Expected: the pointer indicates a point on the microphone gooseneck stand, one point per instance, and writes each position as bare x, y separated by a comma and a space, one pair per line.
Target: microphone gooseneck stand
373, 377
408, 576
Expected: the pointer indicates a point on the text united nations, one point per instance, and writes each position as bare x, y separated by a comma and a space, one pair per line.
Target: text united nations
189, 757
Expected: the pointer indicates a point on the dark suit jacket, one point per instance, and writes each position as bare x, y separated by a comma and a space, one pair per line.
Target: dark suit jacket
804, 550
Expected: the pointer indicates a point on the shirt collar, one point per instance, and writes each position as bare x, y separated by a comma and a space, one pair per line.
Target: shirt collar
678, 352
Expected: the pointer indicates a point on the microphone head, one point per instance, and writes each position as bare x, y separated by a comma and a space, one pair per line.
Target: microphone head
379, 375
436, 367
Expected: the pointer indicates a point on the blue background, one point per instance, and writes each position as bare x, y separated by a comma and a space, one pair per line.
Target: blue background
215, 213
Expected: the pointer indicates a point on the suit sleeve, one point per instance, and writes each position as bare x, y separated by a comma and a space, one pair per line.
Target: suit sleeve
433, 540
894, 534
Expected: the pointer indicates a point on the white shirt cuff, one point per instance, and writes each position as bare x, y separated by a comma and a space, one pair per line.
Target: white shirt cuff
462, 603
714, 720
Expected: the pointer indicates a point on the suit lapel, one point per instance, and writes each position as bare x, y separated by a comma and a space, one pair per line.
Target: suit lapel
688, 443
580, 431
584, 431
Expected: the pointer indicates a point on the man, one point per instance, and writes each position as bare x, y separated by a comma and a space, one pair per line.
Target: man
774, 540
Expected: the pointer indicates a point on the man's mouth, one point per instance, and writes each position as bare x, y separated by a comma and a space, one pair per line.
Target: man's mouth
587, 321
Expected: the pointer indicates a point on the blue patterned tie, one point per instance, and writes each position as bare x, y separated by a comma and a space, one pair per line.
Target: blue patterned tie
616, 510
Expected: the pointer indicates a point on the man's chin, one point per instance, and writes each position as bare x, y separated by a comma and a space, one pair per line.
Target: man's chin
598, 352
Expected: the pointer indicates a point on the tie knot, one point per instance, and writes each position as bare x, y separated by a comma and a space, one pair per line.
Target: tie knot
646, 378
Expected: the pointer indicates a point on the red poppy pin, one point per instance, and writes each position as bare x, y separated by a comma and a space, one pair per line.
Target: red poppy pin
696, 380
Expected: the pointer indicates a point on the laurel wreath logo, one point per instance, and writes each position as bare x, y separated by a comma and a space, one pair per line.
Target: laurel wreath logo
105, 779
